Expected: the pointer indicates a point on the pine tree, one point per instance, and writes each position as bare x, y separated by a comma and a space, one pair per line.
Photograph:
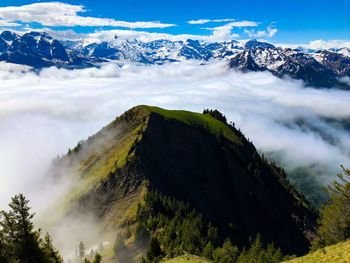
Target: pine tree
334, 222
154, 250
50, 251
208, 251
228, 253
4, 248
97, 258
81, 250
18, 230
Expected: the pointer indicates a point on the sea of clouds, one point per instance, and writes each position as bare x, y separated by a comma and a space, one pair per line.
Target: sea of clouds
43, 114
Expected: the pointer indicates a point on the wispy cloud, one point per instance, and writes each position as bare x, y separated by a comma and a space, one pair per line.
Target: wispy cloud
269, 32
105, 35
320, 44
62, 14
223, 33
8, 23
205, 21
220, 33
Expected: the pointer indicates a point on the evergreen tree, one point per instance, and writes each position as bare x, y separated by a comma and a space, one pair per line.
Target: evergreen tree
334, 222
227, 254
97, 258
208, 250
50, 251
216, 114
81, 250
154, 251
258, 254
18, 230
4, 248
19, 241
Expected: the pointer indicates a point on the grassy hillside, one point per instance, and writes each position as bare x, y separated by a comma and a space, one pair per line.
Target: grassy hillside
190, 161
187, 259
339, 253
197, 120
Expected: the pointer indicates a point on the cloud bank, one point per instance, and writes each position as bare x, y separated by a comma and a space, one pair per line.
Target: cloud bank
321, 44
62, 14
42, 115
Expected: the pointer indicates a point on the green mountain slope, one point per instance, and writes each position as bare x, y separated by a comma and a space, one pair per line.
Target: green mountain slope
339, 253
190, 158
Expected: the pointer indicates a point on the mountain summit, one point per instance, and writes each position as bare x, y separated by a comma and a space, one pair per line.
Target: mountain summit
190, 158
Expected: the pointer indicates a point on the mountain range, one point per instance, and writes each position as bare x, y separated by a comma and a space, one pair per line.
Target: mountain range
320, 68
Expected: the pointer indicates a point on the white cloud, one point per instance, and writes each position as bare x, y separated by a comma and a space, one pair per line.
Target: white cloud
205, 21
139, 35
61, 14
41, 115
8, 23
320, 44
345, 80
269, 32
224, 33
105, 35
220, 33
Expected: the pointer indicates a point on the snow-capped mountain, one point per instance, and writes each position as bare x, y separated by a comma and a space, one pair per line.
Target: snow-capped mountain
316, 68
321, 69
157, 51
37, 50
32, 48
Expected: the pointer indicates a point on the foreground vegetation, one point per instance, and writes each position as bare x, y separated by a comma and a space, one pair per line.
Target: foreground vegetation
334, 222
176, 229
331, 243
19, 240
339, 253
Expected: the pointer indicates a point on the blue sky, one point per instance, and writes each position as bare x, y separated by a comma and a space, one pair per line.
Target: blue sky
279, 21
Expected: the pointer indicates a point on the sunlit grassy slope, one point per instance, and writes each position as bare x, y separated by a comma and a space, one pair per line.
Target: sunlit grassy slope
197, 119
339, 253
187, 259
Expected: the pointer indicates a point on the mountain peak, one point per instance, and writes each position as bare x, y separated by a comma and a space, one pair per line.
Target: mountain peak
193, 158
253, 44
8, 35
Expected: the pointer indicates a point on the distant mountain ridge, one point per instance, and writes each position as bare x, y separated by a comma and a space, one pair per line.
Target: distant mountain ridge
320, 68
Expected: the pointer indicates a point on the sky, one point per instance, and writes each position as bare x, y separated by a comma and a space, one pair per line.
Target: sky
294, 22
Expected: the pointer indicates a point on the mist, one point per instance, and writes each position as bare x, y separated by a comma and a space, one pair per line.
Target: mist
43, 114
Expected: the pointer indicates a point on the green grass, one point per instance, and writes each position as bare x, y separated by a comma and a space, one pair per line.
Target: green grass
187, 259
339, 253
198, 120
106, 160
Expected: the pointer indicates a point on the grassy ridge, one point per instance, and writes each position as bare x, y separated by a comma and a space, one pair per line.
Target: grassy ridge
339, 253
198, 120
